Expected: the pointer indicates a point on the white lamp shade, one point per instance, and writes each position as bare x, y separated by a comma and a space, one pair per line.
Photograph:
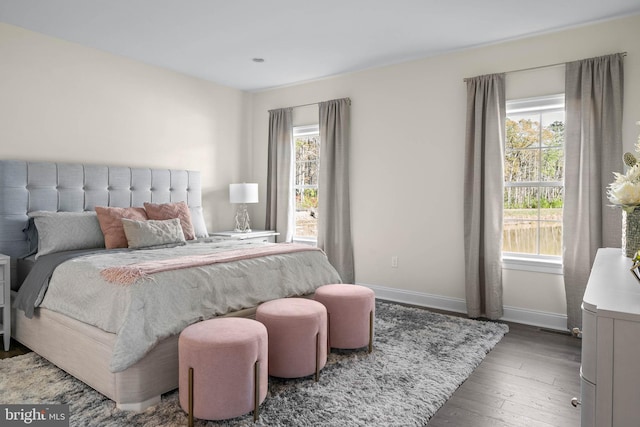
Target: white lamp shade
243, 193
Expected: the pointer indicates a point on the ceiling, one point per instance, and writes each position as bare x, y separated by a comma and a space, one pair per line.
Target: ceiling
299, 40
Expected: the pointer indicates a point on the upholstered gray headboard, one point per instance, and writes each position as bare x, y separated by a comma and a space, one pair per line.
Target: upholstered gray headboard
33, 186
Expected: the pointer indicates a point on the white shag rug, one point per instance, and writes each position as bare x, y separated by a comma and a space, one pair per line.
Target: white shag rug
419, 359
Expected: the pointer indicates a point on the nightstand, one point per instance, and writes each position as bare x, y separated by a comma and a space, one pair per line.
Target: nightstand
252, 236
5, 299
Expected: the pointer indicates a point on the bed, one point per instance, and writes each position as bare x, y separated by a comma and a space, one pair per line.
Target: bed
85, 348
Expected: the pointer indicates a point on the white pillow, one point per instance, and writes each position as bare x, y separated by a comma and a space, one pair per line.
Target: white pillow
197, 220
66, 231
145, 234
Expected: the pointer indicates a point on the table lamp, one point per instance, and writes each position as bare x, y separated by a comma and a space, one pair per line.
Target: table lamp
242, 194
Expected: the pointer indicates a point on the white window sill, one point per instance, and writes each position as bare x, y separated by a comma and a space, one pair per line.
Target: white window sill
535, 264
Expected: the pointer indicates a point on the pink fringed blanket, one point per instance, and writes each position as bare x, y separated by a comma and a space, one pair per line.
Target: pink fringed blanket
128, 274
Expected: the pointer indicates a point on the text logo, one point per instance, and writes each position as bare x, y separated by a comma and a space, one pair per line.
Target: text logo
54, 415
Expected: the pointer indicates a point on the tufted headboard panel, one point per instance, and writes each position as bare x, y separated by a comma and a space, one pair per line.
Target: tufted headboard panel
33, 186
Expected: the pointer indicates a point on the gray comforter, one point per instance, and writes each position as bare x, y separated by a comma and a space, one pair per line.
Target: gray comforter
155, 308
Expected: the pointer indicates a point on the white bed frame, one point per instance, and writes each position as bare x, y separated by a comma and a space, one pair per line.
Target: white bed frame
82, 350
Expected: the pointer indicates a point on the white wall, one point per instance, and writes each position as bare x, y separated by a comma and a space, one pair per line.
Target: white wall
60, 101
407, 157
64, 102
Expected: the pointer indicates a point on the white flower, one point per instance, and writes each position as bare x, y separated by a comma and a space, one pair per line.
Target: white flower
624, 191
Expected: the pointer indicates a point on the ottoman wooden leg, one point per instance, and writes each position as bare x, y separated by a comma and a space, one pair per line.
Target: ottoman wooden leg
256, 391
317, 356
328, 333
370, 331
190, 397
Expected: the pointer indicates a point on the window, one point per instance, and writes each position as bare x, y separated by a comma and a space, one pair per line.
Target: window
307, 170
534, 179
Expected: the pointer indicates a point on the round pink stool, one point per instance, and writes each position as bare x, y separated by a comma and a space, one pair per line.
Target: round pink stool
297, 330
350, 310
223, 368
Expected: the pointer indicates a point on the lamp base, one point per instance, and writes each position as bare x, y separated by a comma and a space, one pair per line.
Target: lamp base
243, 225
237, 230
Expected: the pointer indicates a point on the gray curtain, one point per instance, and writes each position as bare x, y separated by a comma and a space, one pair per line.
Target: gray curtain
593, 146
484, 194
334, 222
280, 207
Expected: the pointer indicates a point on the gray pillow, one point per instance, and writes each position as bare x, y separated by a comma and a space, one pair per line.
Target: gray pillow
66, 231
31, 233
197, 220
146, 234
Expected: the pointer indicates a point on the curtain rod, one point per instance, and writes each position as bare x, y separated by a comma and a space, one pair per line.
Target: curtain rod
305, 105
316, 103
539, 67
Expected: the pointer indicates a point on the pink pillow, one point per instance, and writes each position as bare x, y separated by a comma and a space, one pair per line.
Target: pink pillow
178, 210
110, 220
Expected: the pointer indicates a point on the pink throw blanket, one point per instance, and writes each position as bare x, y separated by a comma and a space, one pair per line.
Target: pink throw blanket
128, 274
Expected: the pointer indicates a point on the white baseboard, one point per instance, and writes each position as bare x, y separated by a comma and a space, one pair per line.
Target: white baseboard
458, 305
542, 319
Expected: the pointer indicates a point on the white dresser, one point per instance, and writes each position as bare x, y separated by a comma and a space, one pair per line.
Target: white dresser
610, 373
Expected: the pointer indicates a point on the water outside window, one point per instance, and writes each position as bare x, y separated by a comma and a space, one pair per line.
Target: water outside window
534, 179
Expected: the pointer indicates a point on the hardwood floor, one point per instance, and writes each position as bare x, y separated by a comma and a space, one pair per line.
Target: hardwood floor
528, 379
15, 349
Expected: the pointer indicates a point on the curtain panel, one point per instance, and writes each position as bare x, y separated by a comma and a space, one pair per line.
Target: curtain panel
334, 222
593, 151
484, 194
280, 163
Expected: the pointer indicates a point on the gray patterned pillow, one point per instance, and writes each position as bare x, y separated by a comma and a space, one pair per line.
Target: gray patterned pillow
66, 231
145, 234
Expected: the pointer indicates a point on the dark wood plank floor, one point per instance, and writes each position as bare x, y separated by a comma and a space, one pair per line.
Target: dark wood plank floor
528, 379
15, 349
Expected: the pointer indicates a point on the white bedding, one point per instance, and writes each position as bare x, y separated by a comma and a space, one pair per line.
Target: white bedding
152, 309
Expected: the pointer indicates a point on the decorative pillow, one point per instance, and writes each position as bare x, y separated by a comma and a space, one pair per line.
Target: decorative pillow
66, 231
111, 224
144, 234
31, 232
172, 210
197, 220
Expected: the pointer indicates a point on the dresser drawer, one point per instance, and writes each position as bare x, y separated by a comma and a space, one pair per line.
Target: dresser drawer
589, 345
588, 406
261, 239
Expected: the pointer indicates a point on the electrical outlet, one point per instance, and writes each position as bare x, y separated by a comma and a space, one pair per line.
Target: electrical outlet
394, 261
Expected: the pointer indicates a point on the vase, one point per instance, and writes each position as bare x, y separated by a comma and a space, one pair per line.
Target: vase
630, 232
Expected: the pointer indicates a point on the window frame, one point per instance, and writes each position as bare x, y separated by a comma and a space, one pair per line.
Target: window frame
297, 131
551, 264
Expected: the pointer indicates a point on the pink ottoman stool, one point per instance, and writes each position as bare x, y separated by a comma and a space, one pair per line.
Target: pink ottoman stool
223, 368
297, 330
350, 309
